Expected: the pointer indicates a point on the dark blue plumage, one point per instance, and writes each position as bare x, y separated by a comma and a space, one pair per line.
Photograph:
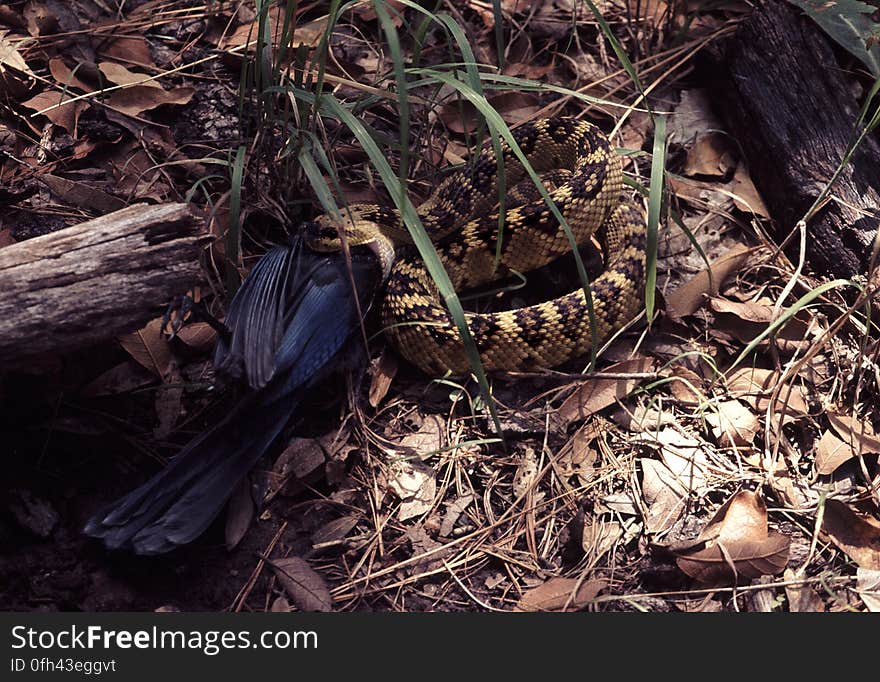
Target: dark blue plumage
289, 324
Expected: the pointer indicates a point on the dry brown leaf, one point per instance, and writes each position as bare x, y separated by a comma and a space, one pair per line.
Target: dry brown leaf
528, 70
801, 597
643, 418
691, 295
301, 457
693, 115
198, 335
699, 193
395, 10
831, 452
136, 99
735, 543
67, 78
280, 605
132, 49
745, 195
149, 347
308, 34
303, 584
167, 403
859, 432
58, 108
334, 531
868, 588
746, 320
560, 594
685, 386
240, 512
119, 75
597, 394
858, 536
733, 425
750, 559
81, 195
710, 155
750, 311
382, 373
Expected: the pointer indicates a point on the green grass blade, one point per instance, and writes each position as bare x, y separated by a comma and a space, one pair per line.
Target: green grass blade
233, 233
498, 18
655, 203
393, 41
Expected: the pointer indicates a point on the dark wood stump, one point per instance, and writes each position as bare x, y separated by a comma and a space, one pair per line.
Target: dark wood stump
787, 102
96, 280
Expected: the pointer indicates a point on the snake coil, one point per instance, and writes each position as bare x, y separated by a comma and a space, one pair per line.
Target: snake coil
460, 220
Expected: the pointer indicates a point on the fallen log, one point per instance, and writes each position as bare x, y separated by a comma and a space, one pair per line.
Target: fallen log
789, 106
93, 281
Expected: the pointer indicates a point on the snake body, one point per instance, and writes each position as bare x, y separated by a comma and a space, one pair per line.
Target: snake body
460, 218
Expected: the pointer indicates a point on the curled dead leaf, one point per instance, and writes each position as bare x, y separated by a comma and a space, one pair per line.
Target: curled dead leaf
81, 195
428, 439
664, 495
736, 543
745, 195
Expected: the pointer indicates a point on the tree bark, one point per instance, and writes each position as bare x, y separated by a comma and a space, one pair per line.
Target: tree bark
787, 103
95, 280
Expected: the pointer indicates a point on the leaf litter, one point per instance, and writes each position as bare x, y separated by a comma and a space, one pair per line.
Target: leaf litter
676, 459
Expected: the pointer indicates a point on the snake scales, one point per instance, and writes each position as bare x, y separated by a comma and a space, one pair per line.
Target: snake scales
460, 219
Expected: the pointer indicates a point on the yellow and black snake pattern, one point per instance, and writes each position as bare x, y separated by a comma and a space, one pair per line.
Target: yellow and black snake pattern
461, 218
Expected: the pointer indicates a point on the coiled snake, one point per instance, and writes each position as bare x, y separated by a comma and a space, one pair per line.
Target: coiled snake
460, 219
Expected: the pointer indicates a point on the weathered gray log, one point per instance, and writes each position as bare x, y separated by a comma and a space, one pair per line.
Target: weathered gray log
95, 280
788, 104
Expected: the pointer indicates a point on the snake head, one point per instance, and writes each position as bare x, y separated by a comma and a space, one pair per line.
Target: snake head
326, 233
322, 234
